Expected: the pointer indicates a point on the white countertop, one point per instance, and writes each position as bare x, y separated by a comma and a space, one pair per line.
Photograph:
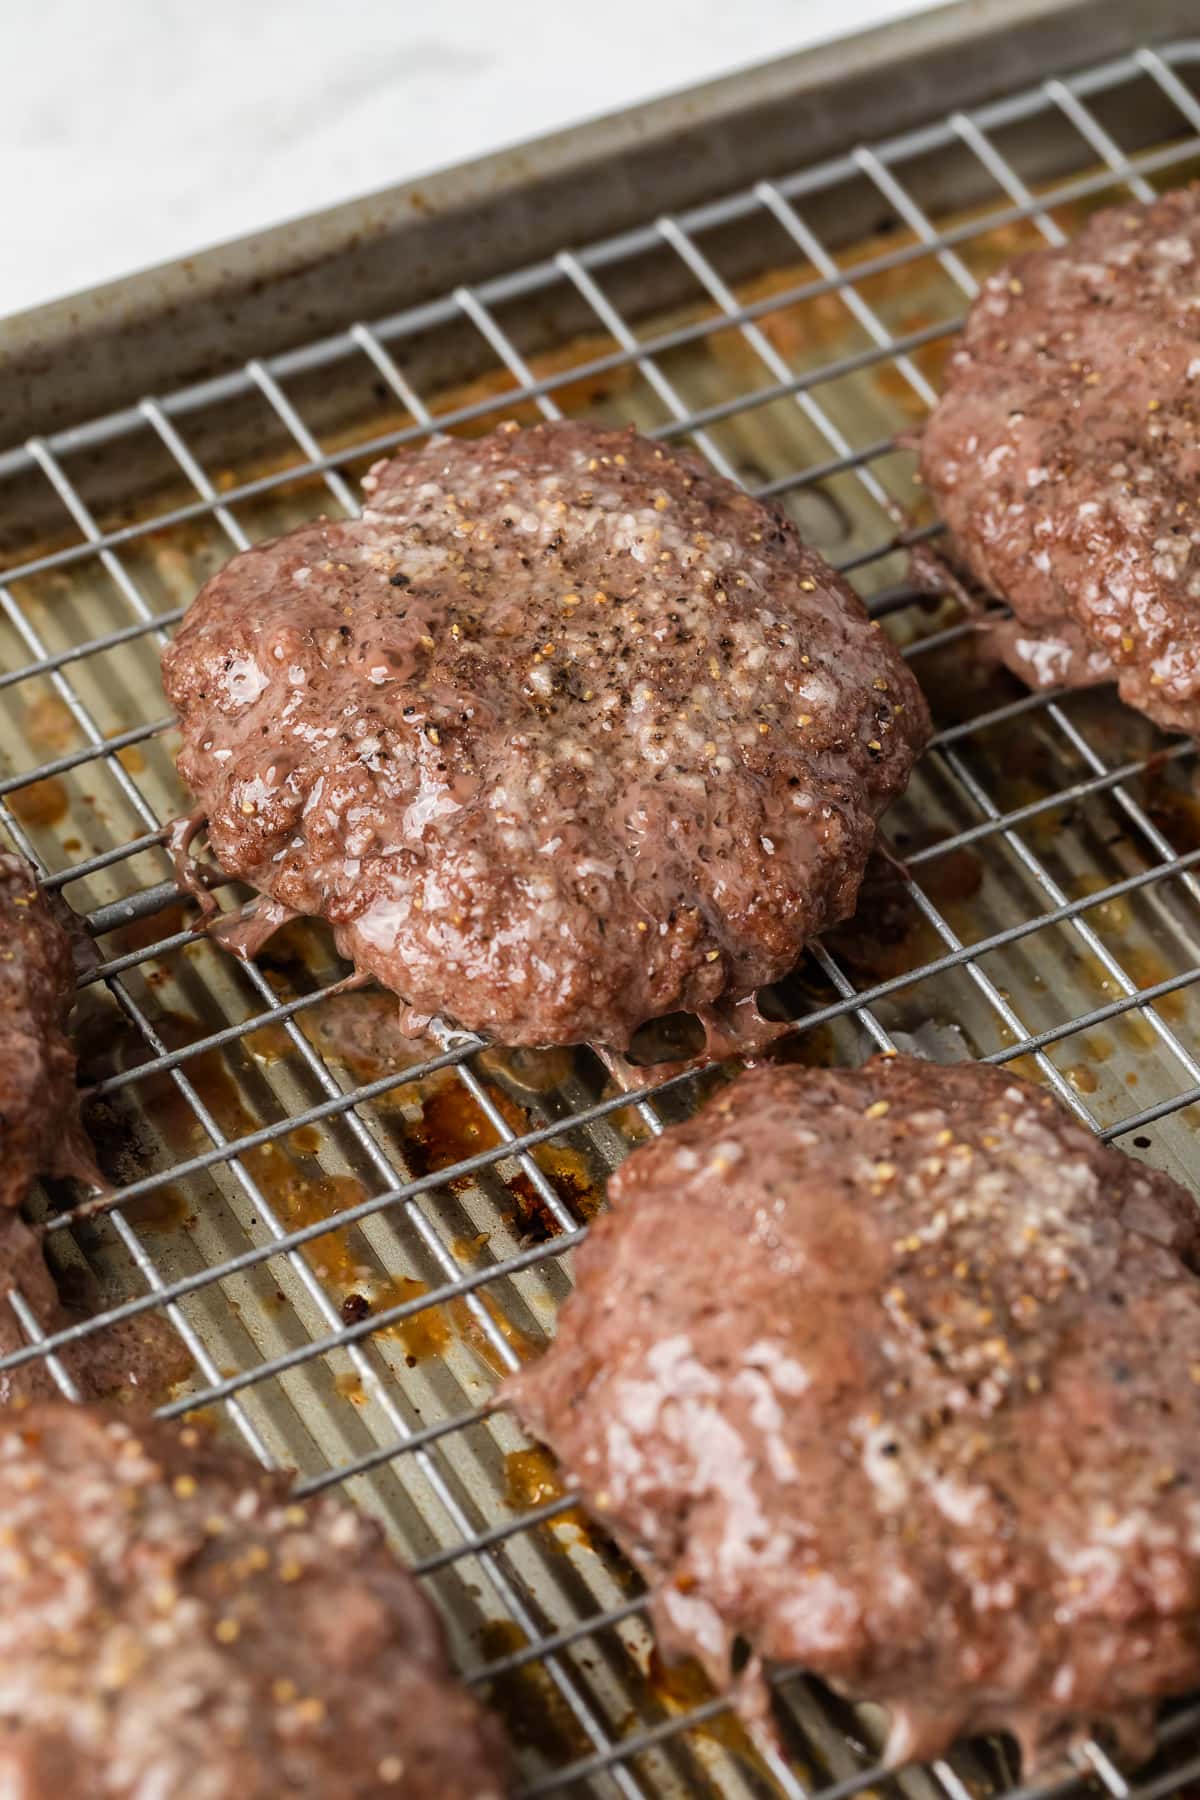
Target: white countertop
136, 131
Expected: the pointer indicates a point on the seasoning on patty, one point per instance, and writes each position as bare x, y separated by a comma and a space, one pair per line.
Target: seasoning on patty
1065, 456
895, 1373
565, 734
175, 1624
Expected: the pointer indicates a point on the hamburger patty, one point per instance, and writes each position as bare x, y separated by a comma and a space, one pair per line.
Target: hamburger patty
41, 1132
1065, 453
911, 1398
174, 1625
40, 1128
564, 734
136, 1360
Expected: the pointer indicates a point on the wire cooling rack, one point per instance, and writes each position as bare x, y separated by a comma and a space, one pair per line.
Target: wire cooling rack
353, 1236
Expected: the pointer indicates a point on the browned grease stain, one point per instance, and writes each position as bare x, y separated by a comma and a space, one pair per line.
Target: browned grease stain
362, 1033
49, 725
269, 1043
1174, 809
424, 1334
468, 1249
41, 803
1136, 1031
531, 1479
162, 1209
581, 395
888, 936
1013, 788
430, 1331
533, 1710
890, 381
1083, 1079
537, 1071
569, 1172
131, 759
1111, 917
681, 1687
628, 1121
471, 1330
952, 879
797, 329
305, 1140
349, 1386
1148, 968
300, 1197
1145, 968
453, 1127
140, 934
815, 327
297, 1198
1027, 1067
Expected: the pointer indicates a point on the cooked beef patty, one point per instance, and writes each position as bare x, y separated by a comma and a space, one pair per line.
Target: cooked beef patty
1065, 456
174, 1625
136, 1360
565, 734
40, 1128
896, 1373
23, 1267
41, 1133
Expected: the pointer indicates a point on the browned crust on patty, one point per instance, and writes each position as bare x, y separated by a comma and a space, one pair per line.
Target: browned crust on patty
894, 1373
1065, 455
565, 734
40, 1128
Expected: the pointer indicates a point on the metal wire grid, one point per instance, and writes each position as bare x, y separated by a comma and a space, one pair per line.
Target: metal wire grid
653, 1754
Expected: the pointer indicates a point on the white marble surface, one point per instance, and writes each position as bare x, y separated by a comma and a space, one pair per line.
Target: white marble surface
136, 131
